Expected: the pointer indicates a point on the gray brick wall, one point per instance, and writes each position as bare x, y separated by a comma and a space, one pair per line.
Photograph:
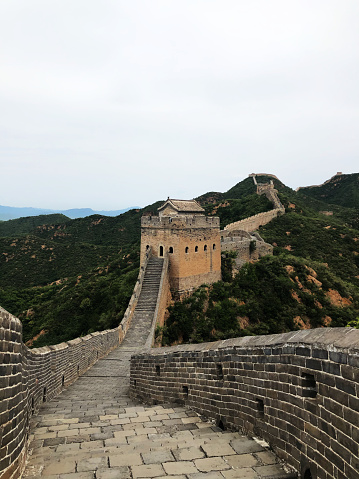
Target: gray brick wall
30, 377
298, 390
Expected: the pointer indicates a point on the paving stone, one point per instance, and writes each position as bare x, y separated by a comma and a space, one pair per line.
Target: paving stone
174, 477
243, 473
136, 439
75, 475
68, 433
68, 448
58, 427
59, 467
242, 460
145, 430
147, 470
46, 435
187, 427
77, 439
132, 426
133, 459
116, 422
101, 436
218, 449
69, 420
115, 473
54, 441
177, 415
124, 434
92, 463
167, 410
88, 419
171, 422
115, 442
134, 409
157, 457
205, 475
81, 425
152, 424
186, 420
127, 415
271, 470
188, 453
179, 467
267, 457
92, 445
211, 464
140, 419
244, 446
206, 431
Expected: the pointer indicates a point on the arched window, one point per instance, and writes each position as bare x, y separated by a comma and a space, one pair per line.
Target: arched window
205, 247
196, 249
170, 249
187, 249
147, 247
214, 246
161, 250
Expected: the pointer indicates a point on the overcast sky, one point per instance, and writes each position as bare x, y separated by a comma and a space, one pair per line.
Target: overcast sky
111, 103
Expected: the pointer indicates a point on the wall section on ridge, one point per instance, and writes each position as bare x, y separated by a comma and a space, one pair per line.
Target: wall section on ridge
298, 390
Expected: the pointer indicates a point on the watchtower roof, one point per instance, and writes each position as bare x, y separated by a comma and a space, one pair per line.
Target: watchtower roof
182, 206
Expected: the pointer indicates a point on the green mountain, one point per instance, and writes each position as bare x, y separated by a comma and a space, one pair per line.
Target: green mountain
29, 223
66, 278
342, 190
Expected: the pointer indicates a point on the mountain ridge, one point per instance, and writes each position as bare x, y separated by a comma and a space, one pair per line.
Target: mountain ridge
69, 277
14, 212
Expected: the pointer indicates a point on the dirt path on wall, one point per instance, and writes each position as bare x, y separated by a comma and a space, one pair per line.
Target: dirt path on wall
94, 431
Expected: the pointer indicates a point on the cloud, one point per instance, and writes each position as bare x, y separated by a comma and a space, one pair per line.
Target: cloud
113, 103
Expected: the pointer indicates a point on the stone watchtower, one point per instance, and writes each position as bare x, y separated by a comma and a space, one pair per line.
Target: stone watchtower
191, 240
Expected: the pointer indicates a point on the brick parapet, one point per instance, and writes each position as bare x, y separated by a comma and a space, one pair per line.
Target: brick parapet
29, 377
180, 221
254, 222
298, 390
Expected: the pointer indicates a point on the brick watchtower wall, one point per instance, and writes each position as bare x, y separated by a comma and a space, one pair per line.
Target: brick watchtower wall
297, 390
193, 244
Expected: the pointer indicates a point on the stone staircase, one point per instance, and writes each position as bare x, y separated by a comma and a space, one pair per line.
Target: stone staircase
150, 286
146, 305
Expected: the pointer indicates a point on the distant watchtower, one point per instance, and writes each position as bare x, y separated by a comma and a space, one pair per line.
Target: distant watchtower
191, 239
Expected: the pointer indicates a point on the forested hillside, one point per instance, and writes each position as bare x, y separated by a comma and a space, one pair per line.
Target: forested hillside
342, 190
65, 278
311, 281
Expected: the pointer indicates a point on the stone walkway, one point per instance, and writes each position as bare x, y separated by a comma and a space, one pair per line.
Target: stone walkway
94, 431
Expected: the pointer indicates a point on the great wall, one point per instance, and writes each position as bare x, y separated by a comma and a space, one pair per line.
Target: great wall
77, 410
